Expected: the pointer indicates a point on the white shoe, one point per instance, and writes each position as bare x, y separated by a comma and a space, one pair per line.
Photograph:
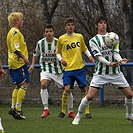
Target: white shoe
129, 117
76, 120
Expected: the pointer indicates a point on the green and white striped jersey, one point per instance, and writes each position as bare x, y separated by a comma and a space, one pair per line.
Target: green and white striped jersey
48, 61
99, 48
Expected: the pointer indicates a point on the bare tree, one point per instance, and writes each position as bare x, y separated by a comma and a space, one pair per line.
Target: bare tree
49, 9
127, 23
39, 12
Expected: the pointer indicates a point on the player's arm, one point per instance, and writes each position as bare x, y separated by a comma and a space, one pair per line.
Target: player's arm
34, 59
17, 45
2, 72
63, 62
86, 51
119, 58
26, 61
89, 56
58, 54
106, 62
36, 53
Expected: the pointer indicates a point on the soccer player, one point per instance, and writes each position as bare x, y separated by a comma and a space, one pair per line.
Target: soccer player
17, 63
51, 68
107, 70
2, 75
69, 52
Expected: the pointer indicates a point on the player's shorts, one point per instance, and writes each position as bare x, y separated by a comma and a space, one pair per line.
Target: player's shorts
19, 75
69, 77
119, 80
57, 78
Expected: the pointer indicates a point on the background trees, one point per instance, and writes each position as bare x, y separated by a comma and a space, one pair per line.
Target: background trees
39, 12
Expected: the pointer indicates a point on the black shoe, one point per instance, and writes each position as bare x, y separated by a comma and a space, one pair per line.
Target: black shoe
12, 112
61, 115
19, 115
88, 115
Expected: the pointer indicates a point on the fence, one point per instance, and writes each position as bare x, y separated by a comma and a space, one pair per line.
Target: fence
35, 82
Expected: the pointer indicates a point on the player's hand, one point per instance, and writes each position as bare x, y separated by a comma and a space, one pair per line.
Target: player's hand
2, 74
91, 59
63, 62
114, 64
124, 61
30, 69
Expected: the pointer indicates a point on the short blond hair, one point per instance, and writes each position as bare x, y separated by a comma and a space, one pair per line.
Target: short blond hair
14, 17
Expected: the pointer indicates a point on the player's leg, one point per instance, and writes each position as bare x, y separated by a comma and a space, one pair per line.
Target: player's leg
14, 99
128, 102
87, 109
45, 79
20, 97
65, 97
82, 83
59, 82
23, 80
1, 127
20, 77
44, 97
84, 103
123, 85
71, 114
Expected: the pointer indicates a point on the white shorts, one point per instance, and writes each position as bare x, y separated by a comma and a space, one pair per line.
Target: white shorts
118, 80
57, 78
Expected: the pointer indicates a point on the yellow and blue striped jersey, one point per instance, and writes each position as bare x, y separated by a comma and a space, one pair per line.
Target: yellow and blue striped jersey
70, 47
15, 41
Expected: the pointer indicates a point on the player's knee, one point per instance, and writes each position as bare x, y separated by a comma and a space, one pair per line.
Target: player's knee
128, 100
43, 86
89, 97
71, 95
129, 96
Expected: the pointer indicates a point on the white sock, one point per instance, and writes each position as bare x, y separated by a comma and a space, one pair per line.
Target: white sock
1, 127
70, 103
84, 103
44, 97
129, 104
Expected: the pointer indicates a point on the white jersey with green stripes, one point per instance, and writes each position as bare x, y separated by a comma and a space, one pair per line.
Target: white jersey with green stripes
48, 61
99, 48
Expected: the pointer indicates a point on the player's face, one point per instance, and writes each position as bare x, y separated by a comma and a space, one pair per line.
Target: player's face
20, 23
69, 28
49, 33
102, 26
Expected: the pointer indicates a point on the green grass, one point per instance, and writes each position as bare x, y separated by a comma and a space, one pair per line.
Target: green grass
105, 120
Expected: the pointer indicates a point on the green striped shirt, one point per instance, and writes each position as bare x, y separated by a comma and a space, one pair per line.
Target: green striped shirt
48, 61
98, 47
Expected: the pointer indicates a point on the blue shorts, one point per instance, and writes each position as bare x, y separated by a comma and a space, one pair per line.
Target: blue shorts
69, 77
19, 75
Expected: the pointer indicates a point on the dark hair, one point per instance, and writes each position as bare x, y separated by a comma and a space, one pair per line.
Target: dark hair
49, 26
99, 19
69, 20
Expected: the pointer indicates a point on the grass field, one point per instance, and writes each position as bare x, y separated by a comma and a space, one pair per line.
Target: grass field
105, 120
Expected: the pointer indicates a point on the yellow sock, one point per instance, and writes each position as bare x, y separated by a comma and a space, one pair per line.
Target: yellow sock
65, 97
14, 97
87, 110
20, 97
